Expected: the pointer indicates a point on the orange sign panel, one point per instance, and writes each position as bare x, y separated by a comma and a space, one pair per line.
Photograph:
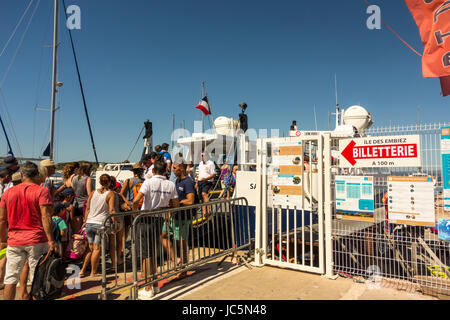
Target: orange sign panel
290, 190
290, 150
295, 170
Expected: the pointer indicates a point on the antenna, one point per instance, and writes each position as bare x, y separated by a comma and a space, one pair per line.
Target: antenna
337, 104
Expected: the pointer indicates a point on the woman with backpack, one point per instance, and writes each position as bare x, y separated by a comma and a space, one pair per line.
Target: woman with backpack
82, 185
129, 190
100, 204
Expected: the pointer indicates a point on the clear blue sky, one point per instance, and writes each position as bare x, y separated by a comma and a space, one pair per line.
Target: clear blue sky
144, 59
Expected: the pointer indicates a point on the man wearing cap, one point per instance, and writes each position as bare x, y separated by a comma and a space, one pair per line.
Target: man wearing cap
10, 163
49, 165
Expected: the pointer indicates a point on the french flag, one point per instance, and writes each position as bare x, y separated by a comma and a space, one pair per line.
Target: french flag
203, 105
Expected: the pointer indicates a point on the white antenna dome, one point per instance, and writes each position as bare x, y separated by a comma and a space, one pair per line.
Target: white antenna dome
226, 126
358, 117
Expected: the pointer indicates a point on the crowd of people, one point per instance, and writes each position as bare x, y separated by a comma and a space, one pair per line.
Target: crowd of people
36, 216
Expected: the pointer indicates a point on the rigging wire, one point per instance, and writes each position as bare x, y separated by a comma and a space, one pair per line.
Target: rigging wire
401, 39
140, 134
5, 106
81, 86
19, 46
17, 27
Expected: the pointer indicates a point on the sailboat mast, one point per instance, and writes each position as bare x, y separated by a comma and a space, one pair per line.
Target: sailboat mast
54, 80
203, 116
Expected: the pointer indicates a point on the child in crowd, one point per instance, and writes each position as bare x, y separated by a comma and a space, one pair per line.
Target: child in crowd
67, 196
59, 226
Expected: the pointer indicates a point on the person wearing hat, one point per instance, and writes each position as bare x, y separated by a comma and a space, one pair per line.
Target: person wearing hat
11, 164
48, 168
16, 179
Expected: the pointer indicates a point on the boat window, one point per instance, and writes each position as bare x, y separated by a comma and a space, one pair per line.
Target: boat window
126, 168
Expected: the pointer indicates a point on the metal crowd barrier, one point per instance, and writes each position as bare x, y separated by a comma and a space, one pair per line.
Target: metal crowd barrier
407, 257
167, 242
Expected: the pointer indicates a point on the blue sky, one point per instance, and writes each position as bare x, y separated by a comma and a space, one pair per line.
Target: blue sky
144, 59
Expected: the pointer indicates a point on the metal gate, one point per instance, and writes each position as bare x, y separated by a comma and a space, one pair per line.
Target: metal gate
294, 211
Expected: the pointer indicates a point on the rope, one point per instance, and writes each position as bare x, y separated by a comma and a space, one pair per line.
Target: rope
17, 27
81, 86
367, 3
19, 45
135, 143
5, 106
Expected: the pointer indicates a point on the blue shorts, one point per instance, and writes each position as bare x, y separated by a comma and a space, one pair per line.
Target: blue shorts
204, 187
92, 233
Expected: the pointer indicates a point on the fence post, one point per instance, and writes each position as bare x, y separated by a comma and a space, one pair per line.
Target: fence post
328, 207
259, 204
134, 259
103, 236
320, 209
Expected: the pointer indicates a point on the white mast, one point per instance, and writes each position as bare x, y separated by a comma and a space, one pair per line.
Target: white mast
54, 80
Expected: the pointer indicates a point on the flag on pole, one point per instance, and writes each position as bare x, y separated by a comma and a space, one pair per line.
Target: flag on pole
432, 19
203, 105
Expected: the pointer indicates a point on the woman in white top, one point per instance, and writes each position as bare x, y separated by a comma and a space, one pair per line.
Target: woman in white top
99, 205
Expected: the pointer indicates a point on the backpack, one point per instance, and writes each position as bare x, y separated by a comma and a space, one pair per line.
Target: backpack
136, 189
49, 276
77, 246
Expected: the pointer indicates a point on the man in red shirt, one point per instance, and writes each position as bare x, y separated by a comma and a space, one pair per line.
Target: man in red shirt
27, 208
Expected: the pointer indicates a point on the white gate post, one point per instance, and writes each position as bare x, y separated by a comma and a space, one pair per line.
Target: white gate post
328, 207
259, 204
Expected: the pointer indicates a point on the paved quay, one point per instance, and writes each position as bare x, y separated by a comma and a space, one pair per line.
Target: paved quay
232, 282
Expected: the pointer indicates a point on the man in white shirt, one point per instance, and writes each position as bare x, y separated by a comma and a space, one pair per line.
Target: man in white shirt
158, 193
206, 174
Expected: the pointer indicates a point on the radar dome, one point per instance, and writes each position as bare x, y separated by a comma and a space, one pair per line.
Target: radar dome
358, 117
226, 126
